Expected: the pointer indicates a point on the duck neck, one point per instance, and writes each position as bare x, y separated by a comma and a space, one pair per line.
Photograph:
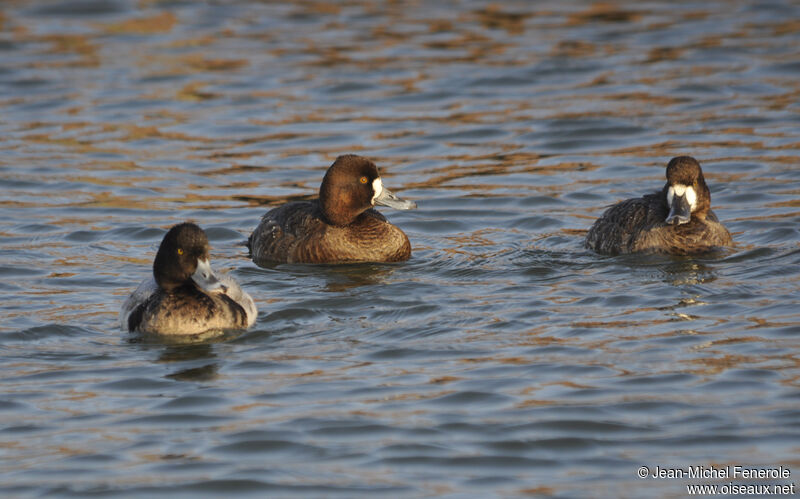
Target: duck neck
336, 213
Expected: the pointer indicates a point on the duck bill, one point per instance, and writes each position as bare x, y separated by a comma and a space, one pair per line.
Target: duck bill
680, 212
386, 197
205, 277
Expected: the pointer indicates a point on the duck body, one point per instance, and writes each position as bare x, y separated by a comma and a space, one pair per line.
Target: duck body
186, 310
340, 227
297, 232
637, 225
185, 296
677, 220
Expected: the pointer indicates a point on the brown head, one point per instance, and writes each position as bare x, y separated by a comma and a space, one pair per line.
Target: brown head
351, 186
686, 192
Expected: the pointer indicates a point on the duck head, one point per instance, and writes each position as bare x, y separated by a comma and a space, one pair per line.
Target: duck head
351, 186
686, 192
183, 258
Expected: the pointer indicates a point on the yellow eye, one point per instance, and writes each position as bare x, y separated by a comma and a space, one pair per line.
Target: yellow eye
180, 251
363, 180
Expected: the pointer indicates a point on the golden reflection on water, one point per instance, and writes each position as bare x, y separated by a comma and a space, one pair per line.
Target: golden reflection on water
481, 47
159, 23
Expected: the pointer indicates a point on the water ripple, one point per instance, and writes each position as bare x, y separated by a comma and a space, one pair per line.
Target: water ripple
503, 359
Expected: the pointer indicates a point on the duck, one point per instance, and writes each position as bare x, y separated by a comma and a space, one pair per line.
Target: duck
676, 220
341, 226
185, 296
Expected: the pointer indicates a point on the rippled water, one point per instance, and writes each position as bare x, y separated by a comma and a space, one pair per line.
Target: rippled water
503, 359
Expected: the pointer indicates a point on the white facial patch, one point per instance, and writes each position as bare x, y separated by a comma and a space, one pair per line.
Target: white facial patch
691, 197
680, 190
377, 187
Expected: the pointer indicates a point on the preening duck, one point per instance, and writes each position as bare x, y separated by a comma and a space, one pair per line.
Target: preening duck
184, 295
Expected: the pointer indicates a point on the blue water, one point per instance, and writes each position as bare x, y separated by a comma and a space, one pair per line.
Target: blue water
503, 359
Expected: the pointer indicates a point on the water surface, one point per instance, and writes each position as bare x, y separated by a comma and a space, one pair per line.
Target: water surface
503, 359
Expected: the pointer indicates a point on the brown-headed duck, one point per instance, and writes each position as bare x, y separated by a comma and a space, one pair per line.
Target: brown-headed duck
340, 227
677, 219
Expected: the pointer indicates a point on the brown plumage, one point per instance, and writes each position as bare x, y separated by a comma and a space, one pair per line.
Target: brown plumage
677, 220
339, 227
